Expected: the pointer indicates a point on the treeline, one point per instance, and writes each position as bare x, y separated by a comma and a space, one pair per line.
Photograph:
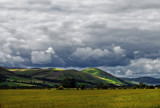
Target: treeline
71, 83
68, 83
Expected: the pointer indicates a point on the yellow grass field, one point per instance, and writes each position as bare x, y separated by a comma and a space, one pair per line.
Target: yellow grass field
128, 98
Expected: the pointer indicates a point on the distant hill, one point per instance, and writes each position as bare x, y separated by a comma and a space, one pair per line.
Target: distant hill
146, 80
51, 77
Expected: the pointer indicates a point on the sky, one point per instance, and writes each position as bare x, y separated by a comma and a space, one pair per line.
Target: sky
121, 37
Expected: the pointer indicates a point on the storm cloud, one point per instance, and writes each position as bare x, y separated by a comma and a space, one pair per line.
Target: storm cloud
120, 36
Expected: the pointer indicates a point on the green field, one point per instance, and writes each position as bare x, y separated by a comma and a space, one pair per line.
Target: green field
128, 98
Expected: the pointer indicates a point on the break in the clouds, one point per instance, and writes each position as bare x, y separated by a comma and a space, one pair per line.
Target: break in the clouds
122, 36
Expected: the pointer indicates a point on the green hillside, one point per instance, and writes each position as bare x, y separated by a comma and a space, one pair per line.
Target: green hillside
51, 77
57, 75
105, 76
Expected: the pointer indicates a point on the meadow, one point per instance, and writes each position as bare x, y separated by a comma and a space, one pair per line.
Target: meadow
126, 98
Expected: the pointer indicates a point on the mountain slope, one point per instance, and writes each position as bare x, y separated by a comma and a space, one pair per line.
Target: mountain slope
105, 76
58, 75
53, 76
9, 79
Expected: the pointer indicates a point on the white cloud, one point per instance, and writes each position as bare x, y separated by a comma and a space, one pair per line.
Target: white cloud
129, 73
50, 50
137, 68
6, 56
85, 53
40, 57
119, 51
43, 57
10, 59
143, 67
146, 65
88, 53
77, 41
136, 52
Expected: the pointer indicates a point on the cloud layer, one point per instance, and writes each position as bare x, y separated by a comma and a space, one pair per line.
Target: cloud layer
92, 33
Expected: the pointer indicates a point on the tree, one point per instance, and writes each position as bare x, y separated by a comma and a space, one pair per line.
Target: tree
142, 85
150, 87
69, 83
100, 86
82, 86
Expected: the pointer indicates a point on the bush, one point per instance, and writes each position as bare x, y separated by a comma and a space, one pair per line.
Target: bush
60, 88
134, 87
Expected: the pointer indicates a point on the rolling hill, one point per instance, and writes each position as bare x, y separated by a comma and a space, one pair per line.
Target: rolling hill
50, 77
146, 80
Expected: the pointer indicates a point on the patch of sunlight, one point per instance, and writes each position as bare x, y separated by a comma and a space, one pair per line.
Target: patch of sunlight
18, 69
58, 69
91, 70
110, 81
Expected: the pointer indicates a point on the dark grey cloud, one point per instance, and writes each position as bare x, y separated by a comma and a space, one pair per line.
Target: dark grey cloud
121, 36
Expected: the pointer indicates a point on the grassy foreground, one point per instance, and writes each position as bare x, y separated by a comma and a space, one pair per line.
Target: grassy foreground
138, 98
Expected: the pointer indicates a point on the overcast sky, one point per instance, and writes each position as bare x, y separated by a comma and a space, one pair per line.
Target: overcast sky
119, 36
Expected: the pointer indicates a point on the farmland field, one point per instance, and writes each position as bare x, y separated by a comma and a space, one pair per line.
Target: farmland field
128, 98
